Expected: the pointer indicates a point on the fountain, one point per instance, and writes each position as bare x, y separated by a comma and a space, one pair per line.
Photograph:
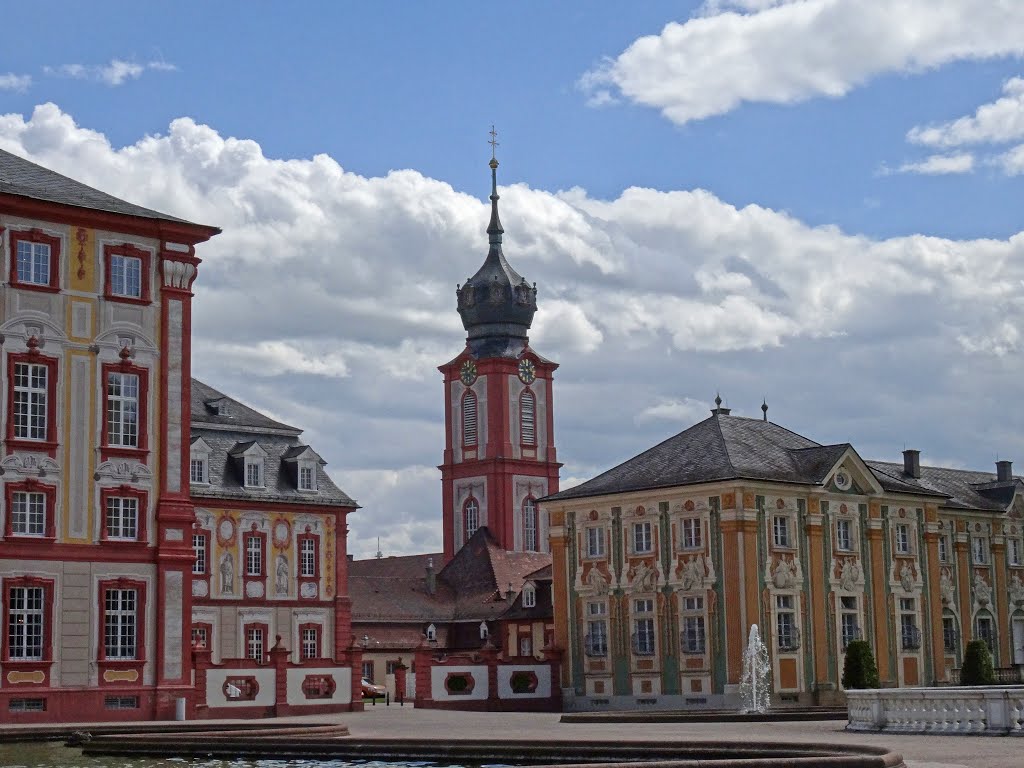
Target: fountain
756, 682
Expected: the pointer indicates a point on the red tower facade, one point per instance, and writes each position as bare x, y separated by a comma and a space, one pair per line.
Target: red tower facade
499, 455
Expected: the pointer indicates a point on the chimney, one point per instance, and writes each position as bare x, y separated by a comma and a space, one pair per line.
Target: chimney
1004, 471
912, 462
431, 578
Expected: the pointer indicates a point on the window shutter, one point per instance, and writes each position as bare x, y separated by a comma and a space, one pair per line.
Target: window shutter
469, 419
527, 418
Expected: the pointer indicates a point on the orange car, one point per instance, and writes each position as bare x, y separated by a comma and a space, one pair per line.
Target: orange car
372, 691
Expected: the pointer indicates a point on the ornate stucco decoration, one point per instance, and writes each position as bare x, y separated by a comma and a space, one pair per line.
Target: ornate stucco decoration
982, 591
29, 465
123, 471
946, 587
1017, 590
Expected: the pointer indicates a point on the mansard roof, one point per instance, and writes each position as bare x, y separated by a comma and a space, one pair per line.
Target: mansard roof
726, 447
23, 178
238, 432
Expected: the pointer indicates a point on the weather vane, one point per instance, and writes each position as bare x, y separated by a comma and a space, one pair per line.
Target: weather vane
493, 141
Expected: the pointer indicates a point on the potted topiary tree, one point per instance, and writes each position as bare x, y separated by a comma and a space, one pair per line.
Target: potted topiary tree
859, 670
977, 668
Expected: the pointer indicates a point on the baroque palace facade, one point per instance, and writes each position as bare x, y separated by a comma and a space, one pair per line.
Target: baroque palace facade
142, 514
663, 563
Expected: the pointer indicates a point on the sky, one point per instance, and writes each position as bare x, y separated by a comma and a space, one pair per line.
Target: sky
818, 203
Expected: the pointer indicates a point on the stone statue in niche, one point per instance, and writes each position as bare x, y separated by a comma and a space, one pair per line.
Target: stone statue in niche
946, 587
784, 576
982, 590
1017, 589
849, 575
227, 574
693, 572
907, 577
596, 580
281, 576
644, 577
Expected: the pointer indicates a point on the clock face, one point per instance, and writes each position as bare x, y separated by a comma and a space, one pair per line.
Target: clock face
468, 372
527, 373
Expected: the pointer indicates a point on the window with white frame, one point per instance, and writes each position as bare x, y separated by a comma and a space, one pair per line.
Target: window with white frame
596, 640
780, 531
910, 635
901, 534
125, 275
28, 513
786, 634
692, 538
198, 471
26, 611
199, 550
307, 476
595, 542
848, 620
254, 643
310, 643
253, 472
1013, 551
31, 394
307, 558
253, 556
529, 596
692, 639
33, 263
530, 524
844, 535
643, 540
122, 409
643, 627
943, 548
122, 517
979, 546
120, 623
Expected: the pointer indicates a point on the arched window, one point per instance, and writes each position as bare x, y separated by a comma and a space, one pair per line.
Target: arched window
470, 518
469, 419
530, 525
528, 418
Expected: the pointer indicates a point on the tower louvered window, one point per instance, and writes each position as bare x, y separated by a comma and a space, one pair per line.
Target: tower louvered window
471, 517
469, 428
528, 418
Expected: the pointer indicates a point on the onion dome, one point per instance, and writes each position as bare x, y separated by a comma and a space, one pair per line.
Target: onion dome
496, 304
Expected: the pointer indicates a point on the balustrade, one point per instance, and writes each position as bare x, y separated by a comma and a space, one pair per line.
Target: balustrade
990, 710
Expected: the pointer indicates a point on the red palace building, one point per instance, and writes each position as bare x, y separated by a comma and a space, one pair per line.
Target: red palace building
117, 600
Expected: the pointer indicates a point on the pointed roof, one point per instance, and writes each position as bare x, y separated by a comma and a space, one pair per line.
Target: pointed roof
23, 178
213, 409
496, 304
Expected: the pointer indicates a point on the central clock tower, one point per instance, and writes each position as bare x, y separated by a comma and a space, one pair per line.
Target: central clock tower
499, 455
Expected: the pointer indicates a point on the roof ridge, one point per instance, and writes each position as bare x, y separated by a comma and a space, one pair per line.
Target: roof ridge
717, 417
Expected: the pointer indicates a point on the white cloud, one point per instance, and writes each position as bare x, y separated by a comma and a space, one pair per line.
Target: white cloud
783, 53
116, 72
996, 123
1012, 161
13, 82
937, 165
329, 300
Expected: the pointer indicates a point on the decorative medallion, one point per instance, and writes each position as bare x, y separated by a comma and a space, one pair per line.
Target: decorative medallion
842, 480
282, 533
527, 371
225, 531
468, 373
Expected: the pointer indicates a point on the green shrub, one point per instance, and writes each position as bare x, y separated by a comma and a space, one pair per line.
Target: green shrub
859, 670
977, 668
457, 684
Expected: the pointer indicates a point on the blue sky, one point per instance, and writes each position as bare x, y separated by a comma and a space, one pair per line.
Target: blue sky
818, 202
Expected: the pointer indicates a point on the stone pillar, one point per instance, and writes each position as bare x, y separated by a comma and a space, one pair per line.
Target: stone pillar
963, 582
400, 670
1001, 594
818, 599
879, 574
732, 580
424, 663
201, 662
560, 574
279, 660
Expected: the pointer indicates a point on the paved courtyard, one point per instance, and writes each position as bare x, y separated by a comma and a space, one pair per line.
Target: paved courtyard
919, 751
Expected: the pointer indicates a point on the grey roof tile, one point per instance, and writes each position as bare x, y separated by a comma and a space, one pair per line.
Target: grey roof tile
26, 179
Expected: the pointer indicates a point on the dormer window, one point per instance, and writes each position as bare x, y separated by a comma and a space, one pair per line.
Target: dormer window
307, 476
253, 472
529, 596
199, 462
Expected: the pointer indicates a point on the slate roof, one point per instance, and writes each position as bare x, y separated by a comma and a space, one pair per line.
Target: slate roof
26, 179
726, 447
229, 435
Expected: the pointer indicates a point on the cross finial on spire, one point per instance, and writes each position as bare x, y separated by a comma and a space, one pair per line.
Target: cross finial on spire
493, 142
